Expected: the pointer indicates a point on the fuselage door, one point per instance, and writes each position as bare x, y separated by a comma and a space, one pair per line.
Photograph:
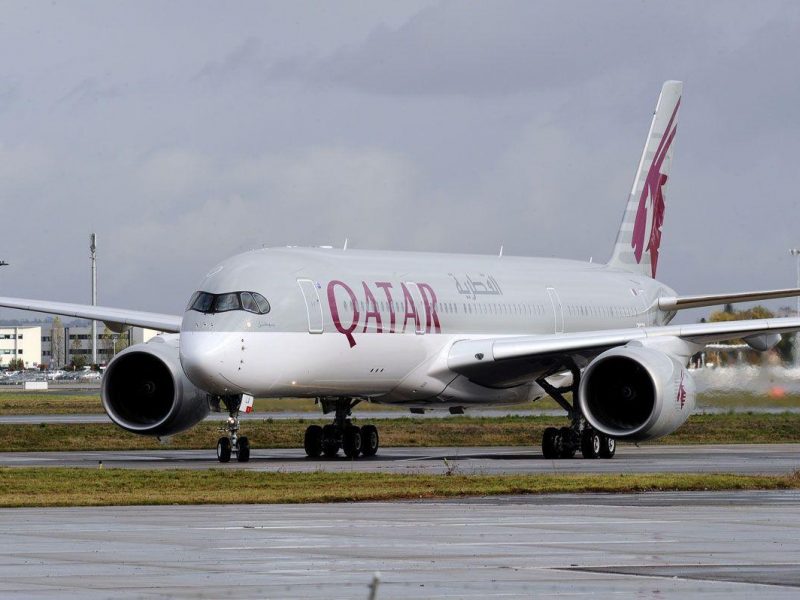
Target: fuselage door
558, 310
419, 306
313, 305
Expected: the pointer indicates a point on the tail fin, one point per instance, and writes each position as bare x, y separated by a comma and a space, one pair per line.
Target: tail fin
639, 237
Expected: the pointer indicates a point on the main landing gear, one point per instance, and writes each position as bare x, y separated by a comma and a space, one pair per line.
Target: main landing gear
231, 444
567, 441
341, 434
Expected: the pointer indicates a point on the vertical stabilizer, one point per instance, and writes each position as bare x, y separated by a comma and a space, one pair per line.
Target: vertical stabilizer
639, 238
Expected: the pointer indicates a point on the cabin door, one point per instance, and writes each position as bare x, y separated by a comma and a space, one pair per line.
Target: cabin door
313, 305
558, 310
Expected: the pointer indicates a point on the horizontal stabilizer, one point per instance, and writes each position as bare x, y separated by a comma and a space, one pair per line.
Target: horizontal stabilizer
671, 303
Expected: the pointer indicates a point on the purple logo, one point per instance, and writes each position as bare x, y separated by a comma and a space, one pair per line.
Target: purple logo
681, 398
653, 184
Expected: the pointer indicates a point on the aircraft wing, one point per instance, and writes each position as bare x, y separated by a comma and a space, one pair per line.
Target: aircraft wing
507, 360
134, 318
668, 303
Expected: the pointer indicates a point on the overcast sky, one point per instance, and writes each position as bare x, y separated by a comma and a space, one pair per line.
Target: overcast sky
184, 132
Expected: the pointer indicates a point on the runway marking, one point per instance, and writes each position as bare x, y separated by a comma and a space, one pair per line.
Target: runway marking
598, 542
236, 527
373, 524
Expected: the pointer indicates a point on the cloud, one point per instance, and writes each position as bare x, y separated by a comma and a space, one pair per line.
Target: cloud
498, 48
244, 60
457, 127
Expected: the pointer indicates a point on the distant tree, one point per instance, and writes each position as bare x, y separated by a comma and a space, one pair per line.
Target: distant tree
785, 347
114, 342
16, 364
78, 362
57, 358
757, 312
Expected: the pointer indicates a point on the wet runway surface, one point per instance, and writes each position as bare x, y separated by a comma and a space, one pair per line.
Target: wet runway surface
729, 458
659, 545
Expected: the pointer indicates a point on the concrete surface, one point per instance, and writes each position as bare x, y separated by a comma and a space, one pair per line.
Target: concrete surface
662, 545
731, 458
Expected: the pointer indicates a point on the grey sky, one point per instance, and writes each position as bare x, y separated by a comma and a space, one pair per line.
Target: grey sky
184, 132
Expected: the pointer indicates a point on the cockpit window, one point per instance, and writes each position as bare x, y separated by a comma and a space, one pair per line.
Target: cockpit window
192, 300
263, 305
226, 302
248, 303
213, 303
203, 302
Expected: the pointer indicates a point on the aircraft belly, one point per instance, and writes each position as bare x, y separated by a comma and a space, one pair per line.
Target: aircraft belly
309, 365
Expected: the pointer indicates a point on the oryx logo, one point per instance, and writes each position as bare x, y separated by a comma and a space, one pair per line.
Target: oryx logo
648, 227
681, 398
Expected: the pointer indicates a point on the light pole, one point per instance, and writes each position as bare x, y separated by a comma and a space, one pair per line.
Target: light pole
796, 253
93, 258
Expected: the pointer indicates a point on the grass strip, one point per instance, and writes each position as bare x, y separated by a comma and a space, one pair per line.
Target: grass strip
104, 487
43, 403
407, 432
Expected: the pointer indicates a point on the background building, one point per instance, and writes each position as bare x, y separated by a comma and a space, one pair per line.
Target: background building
21, 342
61, 344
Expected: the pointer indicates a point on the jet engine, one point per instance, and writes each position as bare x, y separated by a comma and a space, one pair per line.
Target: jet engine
636, 393
145, 391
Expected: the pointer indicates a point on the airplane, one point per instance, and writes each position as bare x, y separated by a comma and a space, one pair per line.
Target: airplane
432, 331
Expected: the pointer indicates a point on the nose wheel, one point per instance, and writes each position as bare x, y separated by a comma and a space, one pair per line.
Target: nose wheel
341, 435
232, 444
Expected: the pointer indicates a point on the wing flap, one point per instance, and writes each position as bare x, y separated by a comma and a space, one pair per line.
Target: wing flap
467, 356
134, 318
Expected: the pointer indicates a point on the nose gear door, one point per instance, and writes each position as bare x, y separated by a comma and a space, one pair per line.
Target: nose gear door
313, 305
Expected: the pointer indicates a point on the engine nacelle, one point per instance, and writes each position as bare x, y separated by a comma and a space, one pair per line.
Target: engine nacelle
636, 393
145, 391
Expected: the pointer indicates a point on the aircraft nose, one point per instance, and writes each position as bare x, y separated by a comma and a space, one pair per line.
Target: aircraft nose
205, 358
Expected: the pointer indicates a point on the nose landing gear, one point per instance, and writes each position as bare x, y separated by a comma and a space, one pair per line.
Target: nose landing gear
231, 444
341, 434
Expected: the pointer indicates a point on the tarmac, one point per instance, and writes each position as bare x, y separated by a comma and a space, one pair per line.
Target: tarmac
718, 458
656, 545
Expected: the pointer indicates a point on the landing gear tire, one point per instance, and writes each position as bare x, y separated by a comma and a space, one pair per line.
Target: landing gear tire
351, 441
608, 446
369, 440
312, 442
568, 445
223, 450
330, 441
243, 453
550, 443
590, 443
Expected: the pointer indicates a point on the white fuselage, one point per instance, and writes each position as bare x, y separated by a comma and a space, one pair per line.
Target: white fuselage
379, 325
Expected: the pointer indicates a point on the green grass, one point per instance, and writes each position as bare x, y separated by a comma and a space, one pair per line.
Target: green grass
102, 487
40, 403
405, 432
